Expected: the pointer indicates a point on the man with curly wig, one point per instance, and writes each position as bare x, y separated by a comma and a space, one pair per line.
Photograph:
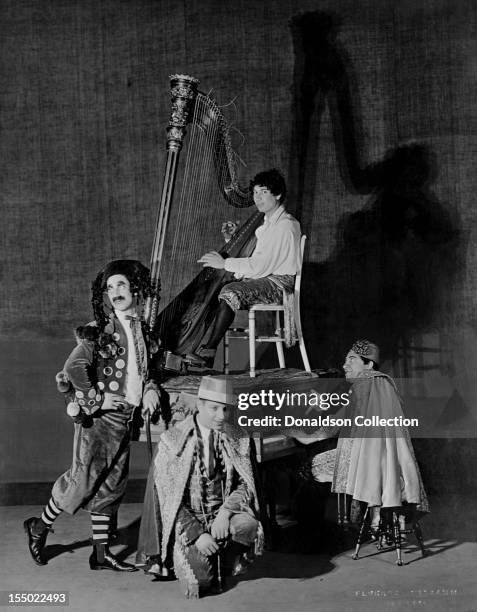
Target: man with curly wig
106, 380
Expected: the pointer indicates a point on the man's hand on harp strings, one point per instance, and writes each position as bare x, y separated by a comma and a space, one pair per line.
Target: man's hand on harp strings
212, 260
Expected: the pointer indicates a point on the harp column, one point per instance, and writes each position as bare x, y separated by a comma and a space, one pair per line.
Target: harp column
184, 91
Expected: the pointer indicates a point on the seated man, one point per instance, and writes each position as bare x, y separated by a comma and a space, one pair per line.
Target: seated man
264, 275
206, 493
375, 465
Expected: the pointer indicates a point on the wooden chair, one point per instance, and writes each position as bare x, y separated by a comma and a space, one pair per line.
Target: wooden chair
278, 338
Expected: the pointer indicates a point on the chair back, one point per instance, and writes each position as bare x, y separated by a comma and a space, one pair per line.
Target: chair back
300, 265
298, 273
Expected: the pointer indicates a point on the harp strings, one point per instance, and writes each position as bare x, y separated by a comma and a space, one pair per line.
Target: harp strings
199, 205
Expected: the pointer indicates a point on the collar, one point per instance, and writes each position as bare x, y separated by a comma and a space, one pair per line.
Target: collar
273, 218
125, 316
204, 431
177, 437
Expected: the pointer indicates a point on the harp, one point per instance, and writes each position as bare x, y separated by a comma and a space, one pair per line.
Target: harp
195, 197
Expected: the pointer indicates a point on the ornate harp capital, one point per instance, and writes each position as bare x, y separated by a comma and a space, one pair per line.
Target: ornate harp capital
183, 94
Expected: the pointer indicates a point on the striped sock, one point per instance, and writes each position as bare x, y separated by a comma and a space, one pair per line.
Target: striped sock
50, 513
100, 525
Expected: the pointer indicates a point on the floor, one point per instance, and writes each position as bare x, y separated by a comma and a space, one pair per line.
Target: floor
280, 580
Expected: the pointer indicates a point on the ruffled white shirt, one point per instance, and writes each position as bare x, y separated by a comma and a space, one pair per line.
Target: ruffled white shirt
277, 250
134, 382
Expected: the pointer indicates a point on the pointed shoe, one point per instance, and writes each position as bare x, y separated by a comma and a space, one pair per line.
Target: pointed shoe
110, 562
36, 541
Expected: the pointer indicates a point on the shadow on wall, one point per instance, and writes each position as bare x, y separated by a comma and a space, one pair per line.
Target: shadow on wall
323, 76
396, 259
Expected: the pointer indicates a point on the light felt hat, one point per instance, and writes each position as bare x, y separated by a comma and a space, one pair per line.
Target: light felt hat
218, 389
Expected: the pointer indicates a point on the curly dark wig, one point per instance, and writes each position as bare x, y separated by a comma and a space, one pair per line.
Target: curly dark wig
273, 179
140, 284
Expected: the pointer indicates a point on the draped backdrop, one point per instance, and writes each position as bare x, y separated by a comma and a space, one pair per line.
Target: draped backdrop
366, 105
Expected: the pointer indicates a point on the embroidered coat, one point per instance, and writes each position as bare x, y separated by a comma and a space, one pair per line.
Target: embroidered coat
98, 366
173, 466
97, 478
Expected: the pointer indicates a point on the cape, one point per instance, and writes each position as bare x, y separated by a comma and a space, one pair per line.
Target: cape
380, 470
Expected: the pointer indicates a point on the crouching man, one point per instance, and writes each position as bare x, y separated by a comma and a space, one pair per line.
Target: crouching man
207, 494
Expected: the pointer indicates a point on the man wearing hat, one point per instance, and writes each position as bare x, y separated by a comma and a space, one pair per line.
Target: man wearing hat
206, 492
105, 379
373, 464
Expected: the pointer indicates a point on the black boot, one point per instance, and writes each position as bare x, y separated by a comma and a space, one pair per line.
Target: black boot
102, 558
235, 559
223, 320
203, 358
155, 567
37, 532
205, 355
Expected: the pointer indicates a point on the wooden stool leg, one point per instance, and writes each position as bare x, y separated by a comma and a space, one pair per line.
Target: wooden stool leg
251, 342
304, 355
279, 344
397, 537
345, 523
301, 340
360, 535
420, 540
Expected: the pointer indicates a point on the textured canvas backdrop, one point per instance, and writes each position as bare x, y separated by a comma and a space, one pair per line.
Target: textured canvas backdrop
368, 107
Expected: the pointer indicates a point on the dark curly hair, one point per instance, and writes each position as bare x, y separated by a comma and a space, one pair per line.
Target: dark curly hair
273, 180
140, 284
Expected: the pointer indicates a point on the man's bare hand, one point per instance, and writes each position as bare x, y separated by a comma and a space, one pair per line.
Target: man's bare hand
150, 402
113, 402
206, 544
228, 229
62, 382
212, 260
221, 526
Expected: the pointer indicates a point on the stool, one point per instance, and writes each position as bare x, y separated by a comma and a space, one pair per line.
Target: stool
389, 532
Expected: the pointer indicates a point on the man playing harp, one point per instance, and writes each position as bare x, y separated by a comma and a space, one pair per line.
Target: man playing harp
265, 276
